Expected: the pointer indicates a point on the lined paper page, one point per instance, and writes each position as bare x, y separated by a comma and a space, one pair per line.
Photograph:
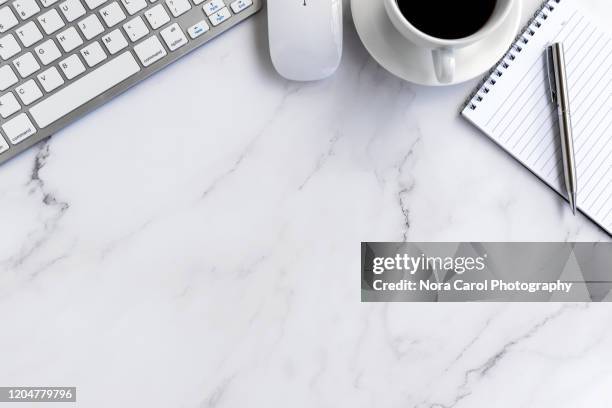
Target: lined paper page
514, 107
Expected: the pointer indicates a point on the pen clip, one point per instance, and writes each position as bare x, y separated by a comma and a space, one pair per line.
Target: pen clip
551, 74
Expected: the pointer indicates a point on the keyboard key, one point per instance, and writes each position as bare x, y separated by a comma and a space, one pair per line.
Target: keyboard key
92, 4
134, 6
8, 105
47, 3
174, 37
26, 8
178, 7
93, 54
29, 34
136, 29
28, 92
8, 47
220, 16
19, 128
69, 39
213, 6
3, 145
150, 51
51, 21
26, 64
112, 14
47, 52
7, 77
84, 89
157, 16
198, 29
72, 66
50, 79
72, 9
239, 5
7, 19
114, 41
91, 26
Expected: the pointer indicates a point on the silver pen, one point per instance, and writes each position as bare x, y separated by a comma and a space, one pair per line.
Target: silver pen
557, 76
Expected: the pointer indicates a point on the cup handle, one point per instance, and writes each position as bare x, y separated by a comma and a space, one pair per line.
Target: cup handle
444, 64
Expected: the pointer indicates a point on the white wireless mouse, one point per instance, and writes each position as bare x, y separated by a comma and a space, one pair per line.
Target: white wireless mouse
305, 37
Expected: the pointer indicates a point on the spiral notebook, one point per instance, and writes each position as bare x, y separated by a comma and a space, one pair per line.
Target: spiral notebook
513, 106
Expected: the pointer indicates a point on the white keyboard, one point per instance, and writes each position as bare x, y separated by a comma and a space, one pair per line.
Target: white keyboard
63, 58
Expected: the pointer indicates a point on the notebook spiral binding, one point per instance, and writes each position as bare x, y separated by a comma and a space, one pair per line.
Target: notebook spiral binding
513, 53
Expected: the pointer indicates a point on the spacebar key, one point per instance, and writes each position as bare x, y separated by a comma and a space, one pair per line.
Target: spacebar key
84, 89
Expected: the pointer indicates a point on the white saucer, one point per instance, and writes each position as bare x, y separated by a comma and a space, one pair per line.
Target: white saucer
411, 63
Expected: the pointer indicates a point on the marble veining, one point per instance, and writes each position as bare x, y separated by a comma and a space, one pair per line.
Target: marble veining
195, 243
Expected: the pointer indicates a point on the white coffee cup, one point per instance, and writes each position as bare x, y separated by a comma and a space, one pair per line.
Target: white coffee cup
443, 50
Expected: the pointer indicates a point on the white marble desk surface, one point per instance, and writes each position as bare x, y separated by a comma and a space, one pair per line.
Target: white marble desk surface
195, 243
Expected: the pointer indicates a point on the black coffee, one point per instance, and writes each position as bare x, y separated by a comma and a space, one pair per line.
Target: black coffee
450, 19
